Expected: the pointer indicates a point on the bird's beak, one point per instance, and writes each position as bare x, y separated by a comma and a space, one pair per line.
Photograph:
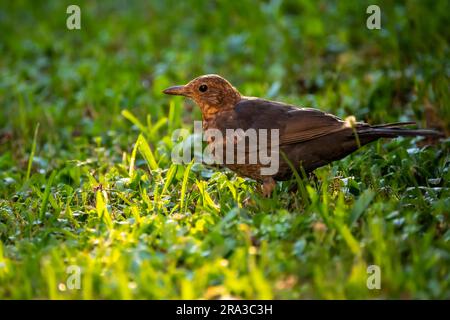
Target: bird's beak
177, 91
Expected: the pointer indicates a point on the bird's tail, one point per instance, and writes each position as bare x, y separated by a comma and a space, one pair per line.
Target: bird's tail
392, 130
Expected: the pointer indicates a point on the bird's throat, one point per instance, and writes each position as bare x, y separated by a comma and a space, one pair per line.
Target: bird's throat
209, 118
209, 112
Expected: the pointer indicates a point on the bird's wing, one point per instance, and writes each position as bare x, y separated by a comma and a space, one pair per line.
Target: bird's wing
295, 124
307, 124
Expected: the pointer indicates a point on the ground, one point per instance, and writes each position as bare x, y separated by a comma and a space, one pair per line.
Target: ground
88, 189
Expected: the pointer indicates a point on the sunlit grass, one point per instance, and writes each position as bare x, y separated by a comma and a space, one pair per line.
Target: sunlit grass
93, 185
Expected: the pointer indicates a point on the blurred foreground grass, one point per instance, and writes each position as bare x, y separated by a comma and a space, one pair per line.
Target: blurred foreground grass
80, 191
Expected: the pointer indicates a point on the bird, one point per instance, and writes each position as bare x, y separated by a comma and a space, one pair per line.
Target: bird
307, 137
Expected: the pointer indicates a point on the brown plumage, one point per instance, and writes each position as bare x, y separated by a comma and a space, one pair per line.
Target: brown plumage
308, 137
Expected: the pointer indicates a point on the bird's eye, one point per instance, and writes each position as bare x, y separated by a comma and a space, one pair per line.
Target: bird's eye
203, 88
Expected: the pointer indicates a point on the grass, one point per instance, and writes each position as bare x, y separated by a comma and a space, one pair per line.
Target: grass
85, 141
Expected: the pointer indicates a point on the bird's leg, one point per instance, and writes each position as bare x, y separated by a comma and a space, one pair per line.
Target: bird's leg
268, 185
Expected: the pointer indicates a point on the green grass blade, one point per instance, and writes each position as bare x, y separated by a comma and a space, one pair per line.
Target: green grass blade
299, 180
46, 195
102, 209
33, 150
129, 116
147, 153
184, 185
169, 177
133, 158
360, 205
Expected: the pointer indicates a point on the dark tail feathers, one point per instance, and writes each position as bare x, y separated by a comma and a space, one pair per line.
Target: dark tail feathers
392, 130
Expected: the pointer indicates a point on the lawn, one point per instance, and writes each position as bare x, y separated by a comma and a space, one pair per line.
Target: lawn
88, 190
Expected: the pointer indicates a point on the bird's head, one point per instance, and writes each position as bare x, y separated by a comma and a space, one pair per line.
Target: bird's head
211, 92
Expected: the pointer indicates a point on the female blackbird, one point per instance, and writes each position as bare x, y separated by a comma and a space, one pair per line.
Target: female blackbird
307, 137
